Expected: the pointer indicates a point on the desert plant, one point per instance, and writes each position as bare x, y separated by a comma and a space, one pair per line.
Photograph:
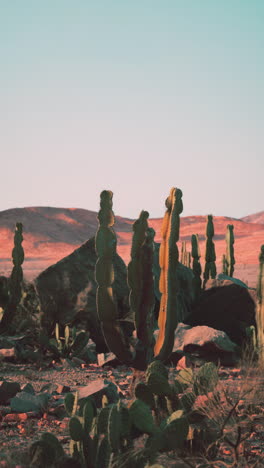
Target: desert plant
71, 344
196, 266
229, 257
168, 282
209, 268
260, 307
140, 280
16, 279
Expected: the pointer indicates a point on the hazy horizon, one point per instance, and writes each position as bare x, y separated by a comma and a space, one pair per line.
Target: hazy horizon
134, 97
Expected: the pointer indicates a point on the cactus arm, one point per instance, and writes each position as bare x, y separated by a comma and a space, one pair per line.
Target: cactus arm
169, 257
105, 244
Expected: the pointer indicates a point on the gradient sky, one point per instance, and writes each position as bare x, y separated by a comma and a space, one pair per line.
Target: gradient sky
136, 97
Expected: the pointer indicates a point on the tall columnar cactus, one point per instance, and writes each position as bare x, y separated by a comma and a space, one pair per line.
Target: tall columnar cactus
260, 306
105, 244
17, 272
209, 268
168, 284
16, 279
230, 258
141, 281
196, 266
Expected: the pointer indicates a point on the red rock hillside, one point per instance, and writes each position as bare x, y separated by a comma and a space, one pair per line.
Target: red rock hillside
52, 233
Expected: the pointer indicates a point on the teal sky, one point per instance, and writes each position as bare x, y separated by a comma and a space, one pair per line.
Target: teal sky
136, 97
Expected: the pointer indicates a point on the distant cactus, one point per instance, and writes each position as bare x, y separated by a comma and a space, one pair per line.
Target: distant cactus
260, 306
168, 283
196, 266
230, 258
17, 272
16, 279
209, 268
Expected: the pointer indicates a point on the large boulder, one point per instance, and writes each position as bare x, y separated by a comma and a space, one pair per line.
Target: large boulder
185, 293
67, 291
226, 305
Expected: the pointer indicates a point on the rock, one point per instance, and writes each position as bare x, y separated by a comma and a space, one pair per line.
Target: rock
67, 291
7, 353
28, 388
185, 294
8, 390
206, 343
97, 389
62, 388
25, 402
225, 306
107, 359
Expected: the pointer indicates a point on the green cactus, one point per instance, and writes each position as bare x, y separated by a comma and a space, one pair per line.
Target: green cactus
196, 266
260, 307
105, 244
16, 279
230, 258
210, 268
168, 284
224, 265
141, 282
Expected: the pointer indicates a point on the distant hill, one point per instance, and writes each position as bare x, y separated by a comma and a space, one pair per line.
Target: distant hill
255, 218
52, 233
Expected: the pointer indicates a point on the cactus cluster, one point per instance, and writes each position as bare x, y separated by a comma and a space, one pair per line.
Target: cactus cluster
140, 281
162, 410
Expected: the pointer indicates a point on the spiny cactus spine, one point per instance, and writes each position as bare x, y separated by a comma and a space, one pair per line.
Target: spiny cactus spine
210, 268
168, 284
230, 258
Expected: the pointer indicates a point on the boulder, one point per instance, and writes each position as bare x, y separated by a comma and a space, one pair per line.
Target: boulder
67, 292
227, 306
205, 343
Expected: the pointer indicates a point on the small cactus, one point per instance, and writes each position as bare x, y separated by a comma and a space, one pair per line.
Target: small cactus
196, 266
260, 307
210, 268
230, 258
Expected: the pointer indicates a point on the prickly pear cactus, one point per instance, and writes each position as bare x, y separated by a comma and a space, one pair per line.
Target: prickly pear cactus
196, 266
260, 307
230, 258
105, 244
168, 284
209, 268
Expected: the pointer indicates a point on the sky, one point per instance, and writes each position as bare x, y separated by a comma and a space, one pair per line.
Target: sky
134, 97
